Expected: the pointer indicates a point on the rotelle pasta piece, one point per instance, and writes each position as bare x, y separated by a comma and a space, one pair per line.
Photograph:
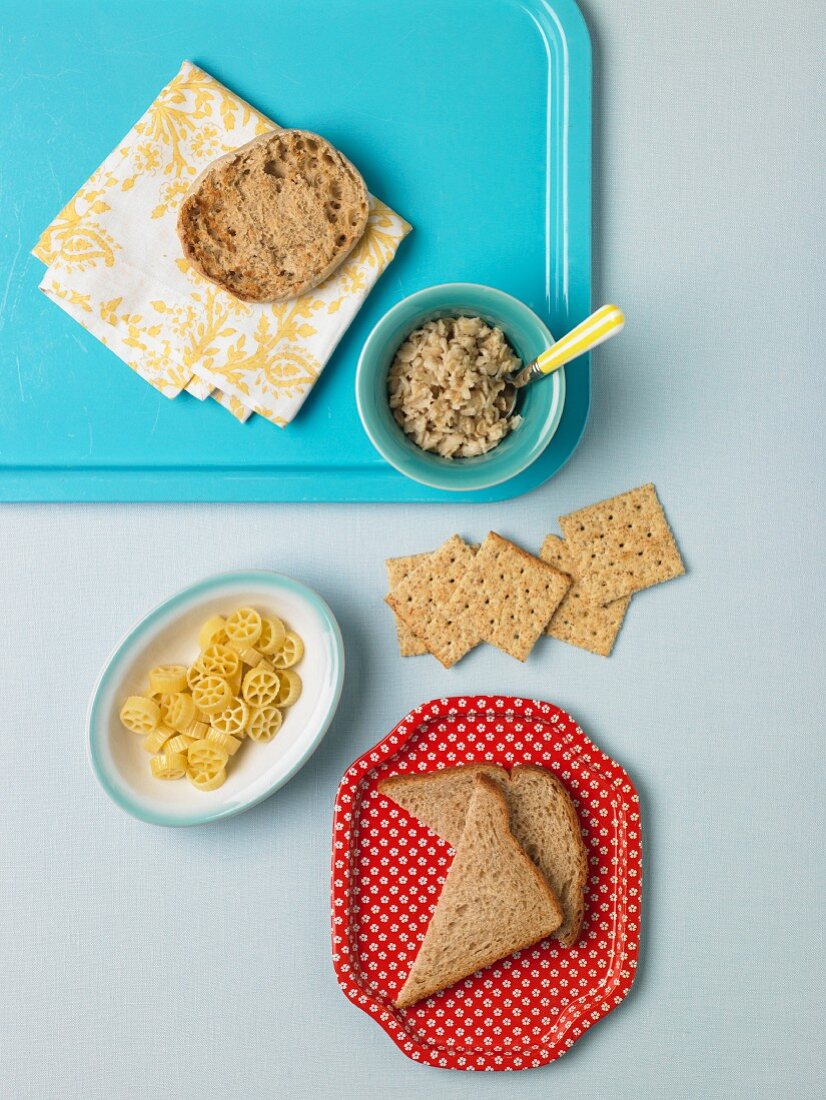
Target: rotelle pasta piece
180, 742
224, 741
220, 660
169, 765
290, 653
139, 714
198, 729
211, 694
206, 756
264, 724
195, 673
290, 689
156, 740
261, 686
243, 627
166, 679
233, 719
180, 711
206, 781
212, 632
251, 656
273, 633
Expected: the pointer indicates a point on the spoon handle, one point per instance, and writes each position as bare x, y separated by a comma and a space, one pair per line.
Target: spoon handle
594, 330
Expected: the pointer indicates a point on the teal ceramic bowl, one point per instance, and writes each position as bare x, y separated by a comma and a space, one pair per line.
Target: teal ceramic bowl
540, 404
168, 635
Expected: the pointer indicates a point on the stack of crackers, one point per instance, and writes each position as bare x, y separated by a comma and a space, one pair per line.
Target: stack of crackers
577, 590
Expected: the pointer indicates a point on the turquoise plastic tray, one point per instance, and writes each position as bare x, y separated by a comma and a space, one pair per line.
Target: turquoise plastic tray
472, 118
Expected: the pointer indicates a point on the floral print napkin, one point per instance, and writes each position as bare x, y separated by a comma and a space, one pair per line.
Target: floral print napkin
115, 264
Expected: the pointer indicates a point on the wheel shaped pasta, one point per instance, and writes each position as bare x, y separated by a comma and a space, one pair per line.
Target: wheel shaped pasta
265, 722
273, 633
180, 742
206, 781
169, 765
166, 679
290, 652
211, 694
179, 712
261, 686
212, 632
139, 714
220, 660
195, 673
290, 690
224, 741
243, 627
233, 719
194, 718
157, 739
205, 755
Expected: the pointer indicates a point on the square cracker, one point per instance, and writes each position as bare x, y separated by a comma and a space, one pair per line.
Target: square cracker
398, 569
576, 621
508, 596
621, 546
421, 599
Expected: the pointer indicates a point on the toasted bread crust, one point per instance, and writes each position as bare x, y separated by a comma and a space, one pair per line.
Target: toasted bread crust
576, 918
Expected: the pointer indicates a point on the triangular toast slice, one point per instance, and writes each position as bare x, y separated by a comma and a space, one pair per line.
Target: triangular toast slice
542, 818
494, 901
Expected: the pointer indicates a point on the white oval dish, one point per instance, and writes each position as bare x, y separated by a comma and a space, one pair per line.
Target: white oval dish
169, 635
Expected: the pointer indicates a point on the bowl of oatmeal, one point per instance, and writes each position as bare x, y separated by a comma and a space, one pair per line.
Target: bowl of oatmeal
433, 394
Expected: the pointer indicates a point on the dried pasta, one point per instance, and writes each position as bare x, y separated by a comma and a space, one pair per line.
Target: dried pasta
290, 652
211, 694
139, 714
290, 689
233, 720
180, 711
195, 718
243, 627
220, 660
212, 632
261, 686
206, 781
156, 740
224, 741
180, 742
273, 633
166, 679
169, 765
265, 722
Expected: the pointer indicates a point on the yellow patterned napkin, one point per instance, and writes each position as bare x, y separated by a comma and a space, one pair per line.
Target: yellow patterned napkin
115, 264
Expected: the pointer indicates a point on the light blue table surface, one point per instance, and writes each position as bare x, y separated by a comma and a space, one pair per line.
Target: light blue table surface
137, 962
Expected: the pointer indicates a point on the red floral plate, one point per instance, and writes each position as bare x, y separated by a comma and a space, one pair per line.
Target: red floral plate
388, 870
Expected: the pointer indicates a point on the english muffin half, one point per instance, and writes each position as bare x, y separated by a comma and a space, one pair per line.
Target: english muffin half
274, 218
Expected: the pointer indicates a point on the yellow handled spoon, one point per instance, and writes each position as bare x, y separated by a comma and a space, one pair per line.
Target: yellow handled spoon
594, 330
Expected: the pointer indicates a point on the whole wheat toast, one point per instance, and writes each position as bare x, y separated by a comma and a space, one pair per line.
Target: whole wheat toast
542, 818
494, 901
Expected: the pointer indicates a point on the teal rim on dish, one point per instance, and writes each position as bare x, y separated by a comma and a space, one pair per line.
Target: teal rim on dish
540, 405
133, 648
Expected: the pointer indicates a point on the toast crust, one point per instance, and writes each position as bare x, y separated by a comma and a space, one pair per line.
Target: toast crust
582, 854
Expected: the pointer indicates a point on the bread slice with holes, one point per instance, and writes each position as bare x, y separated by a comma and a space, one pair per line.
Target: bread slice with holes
274, 218
494, 901
542, 818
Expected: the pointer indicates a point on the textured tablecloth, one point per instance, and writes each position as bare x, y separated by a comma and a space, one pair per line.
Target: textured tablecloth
138, 962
